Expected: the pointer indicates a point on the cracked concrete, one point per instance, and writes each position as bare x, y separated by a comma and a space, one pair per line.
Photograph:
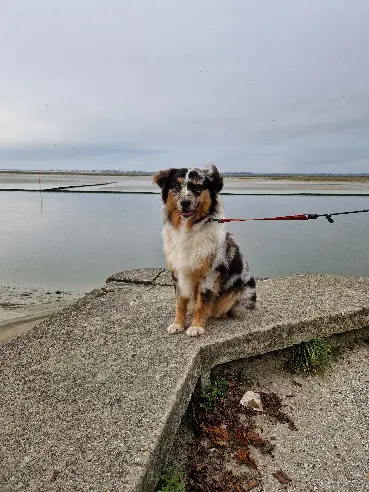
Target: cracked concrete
91, 398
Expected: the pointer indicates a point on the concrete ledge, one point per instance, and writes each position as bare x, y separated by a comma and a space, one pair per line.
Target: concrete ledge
142, 276
91, 398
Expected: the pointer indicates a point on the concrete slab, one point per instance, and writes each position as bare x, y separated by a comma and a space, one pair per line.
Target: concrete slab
91, 398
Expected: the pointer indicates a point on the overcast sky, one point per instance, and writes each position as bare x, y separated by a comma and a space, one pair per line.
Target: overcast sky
261, 85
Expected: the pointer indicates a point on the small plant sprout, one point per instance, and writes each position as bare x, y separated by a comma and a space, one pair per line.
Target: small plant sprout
211, 394
171, 480
310, 357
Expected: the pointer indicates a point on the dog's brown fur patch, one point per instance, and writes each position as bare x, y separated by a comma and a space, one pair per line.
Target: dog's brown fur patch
202, 311
181, 310
224, 304
202, 209
173, 213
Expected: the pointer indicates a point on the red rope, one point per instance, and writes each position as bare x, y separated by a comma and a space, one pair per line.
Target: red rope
292, 217
281, 217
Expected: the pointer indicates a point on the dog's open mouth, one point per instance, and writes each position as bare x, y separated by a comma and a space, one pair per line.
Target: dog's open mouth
187, 214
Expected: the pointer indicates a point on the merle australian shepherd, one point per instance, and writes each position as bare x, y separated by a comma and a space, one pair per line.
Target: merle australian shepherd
210, 275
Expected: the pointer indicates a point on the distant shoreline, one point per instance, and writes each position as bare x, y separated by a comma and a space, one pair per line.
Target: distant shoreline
116, 192
141, 184
249, 176
314, 177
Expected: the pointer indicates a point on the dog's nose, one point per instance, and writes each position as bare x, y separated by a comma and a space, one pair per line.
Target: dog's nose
185, 204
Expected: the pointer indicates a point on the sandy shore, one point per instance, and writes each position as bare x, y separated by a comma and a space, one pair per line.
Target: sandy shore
22, 308
108, 183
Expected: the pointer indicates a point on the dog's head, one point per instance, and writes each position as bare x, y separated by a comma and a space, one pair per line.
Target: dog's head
192, 193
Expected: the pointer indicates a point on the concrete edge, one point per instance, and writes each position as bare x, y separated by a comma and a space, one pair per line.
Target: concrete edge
281, 336
150, 477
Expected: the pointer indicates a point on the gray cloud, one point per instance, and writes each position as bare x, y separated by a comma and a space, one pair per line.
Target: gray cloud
65, 152
257, 86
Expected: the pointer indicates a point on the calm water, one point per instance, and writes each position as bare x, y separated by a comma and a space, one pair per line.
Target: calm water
77, 240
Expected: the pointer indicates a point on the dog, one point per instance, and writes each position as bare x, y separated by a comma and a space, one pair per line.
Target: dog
210, 276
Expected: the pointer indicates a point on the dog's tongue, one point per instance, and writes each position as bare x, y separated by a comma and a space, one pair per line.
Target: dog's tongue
186, 214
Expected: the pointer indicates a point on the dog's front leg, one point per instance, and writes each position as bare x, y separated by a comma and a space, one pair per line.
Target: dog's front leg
203, 308
179, 323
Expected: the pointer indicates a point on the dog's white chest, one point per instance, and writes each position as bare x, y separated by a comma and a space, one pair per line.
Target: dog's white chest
185, 249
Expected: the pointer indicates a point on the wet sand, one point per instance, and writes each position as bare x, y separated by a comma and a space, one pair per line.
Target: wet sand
110, 183
22, 308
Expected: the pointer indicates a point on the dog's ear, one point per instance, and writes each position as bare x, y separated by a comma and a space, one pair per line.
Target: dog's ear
161, 178
215, 177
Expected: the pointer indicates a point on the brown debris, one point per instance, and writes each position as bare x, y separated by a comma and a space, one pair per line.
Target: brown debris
255, 438
252, 484
247, 436
220, 459
219, 433
297, 383
273, 407
244, 456
282, 477
240, 435
220, 438
267, 448
54, 475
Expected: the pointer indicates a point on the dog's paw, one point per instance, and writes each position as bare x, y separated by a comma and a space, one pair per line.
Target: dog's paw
175, 328
194, 331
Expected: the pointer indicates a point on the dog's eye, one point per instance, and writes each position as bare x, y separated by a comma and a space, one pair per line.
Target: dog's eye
177, 186
197, 189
